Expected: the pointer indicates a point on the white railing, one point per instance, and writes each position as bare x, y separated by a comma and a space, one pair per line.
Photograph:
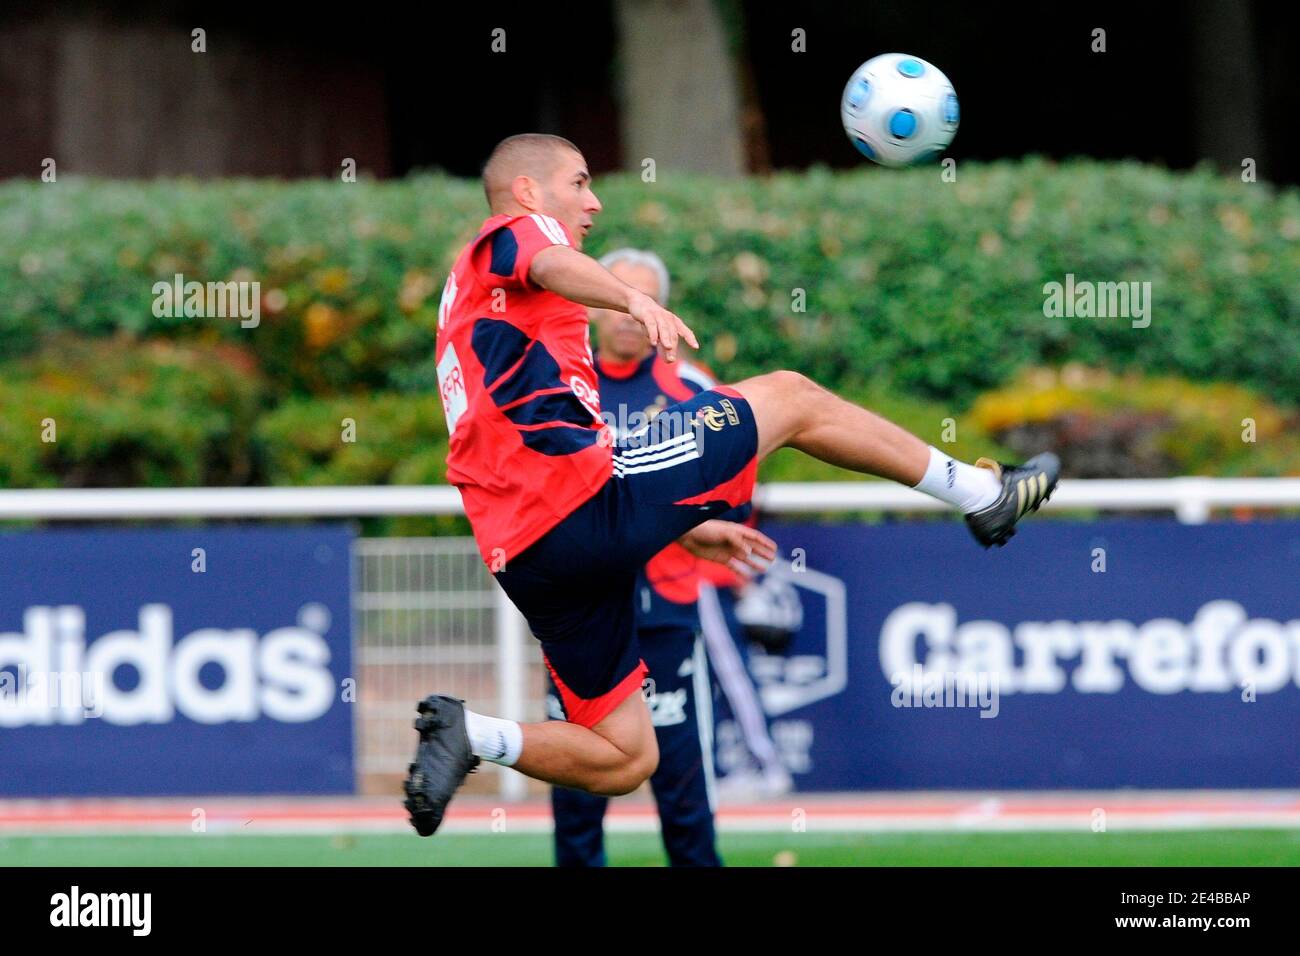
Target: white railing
1191, 499
132, 503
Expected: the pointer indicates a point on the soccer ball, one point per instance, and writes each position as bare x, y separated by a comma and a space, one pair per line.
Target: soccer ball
899, 110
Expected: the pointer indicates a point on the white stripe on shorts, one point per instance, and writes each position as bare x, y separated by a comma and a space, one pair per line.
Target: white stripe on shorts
621, 470
647, 449
658, 456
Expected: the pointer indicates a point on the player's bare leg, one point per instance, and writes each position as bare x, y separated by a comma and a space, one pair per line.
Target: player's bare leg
793, 411
610, 759
613, 757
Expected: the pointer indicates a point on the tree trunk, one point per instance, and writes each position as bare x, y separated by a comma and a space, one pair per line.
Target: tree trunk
680, 91
1225, 85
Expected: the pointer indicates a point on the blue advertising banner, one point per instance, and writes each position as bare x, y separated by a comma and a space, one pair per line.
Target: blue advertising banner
1083, 655
205, 660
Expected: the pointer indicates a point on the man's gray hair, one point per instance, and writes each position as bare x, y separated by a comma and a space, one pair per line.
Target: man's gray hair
648, 260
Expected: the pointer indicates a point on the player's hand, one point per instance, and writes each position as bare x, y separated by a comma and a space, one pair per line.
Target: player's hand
662, 326
745, 550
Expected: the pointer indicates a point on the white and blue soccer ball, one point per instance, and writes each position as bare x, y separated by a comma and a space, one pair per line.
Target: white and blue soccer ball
899, 110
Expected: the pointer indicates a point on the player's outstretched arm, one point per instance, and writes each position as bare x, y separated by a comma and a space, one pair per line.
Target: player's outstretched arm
580, 278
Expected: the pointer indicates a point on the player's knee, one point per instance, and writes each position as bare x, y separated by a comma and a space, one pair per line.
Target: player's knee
638, 771
635, 770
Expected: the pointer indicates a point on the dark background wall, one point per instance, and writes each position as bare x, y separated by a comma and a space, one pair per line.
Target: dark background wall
112, 88
1179, 81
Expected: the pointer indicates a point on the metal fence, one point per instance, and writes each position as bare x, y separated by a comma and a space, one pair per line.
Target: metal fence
427, 617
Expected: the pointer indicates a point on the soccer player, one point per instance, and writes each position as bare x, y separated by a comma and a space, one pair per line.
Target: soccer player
635, 385
565, 516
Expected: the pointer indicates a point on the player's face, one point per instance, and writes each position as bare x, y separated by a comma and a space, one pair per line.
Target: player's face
619, 337
569, 197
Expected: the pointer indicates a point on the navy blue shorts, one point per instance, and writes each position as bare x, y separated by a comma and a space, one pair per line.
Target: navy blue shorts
575, 585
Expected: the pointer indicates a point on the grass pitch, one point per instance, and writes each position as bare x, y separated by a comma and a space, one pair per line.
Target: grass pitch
1116, 848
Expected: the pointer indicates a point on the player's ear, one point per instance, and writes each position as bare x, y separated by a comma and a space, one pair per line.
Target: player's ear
527, 192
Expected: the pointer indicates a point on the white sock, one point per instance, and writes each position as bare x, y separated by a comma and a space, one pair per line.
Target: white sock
963, 486
494, 738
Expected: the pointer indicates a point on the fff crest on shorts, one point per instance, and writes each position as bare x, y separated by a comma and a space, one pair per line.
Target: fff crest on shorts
714, 420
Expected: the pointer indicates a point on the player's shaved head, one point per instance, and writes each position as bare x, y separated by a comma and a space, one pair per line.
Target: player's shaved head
527, 154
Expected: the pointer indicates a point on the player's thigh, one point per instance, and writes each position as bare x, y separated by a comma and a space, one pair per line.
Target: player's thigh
781, 406
628, 726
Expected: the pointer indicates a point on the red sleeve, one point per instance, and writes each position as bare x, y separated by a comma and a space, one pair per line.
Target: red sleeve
504, 255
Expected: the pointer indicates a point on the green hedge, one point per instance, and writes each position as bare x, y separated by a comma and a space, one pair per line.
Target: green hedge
1132, 426
386, 438
921, 295
99, 414
355, 440
933, 288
